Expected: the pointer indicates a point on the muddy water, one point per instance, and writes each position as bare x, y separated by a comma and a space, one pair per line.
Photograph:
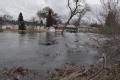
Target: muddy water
45, 51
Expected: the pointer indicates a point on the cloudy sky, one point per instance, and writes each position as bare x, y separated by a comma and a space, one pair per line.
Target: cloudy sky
30, 7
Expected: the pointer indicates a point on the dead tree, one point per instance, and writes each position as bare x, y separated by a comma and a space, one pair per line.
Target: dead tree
100, 16
81, 14
75, 6
108, 14
111, 11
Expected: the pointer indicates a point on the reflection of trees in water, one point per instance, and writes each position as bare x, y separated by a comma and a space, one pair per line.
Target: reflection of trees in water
32, 35
77, 51
22, 34
75, 42
50, 38
47, 38
22, 37
73, 48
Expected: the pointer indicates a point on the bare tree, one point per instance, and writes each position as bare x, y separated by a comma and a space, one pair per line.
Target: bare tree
108, 14
111, 11
76, 7
57, 19
44, 12
34, 20
100, 16
81, 14
7, 17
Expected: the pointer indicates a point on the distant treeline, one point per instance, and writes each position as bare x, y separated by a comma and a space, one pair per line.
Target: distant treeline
15, 22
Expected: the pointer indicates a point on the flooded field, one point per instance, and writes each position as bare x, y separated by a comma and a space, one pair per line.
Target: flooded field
46, 51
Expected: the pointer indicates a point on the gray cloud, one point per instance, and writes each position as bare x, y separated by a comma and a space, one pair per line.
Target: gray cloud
30, 7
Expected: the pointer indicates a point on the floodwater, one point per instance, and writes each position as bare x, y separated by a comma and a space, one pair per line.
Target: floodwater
46, 51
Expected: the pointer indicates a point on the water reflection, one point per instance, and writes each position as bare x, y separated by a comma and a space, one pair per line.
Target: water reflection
22, 33
21, 37
32, 36
79, 49
46, 50
50, 39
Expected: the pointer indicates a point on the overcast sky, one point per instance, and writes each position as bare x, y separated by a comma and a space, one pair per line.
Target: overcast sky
30, 7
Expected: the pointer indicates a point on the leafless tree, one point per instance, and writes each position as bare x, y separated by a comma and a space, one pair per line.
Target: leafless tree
100, 16
108, 14
7, 17
44, 12
76, 7
111, 10
33, 19
81, 14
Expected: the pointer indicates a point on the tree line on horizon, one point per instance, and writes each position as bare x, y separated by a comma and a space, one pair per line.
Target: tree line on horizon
108, 15
48, 13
